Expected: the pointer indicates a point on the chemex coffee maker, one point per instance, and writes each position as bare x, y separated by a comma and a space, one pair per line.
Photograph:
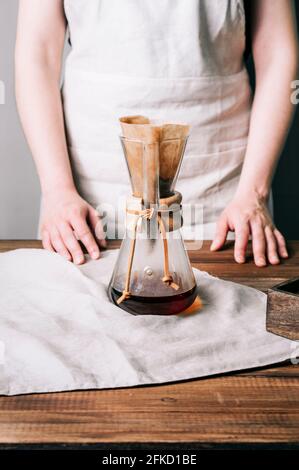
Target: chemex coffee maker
153, 274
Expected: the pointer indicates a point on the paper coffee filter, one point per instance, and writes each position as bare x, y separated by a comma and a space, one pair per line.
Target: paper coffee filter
171, 139
174, 131
172, 142
154, 130
139, 128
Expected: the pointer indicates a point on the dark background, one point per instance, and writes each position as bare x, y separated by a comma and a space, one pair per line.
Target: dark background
286, 181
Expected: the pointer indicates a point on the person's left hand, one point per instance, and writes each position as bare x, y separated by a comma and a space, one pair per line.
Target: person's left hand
248, 215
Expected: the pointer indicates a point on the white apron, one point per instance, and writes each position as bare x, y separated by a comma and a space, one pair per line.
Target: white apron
178, 60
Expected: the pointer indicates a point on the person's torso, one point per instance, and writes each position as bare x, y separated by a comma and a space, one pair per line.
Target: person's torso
179, 60
157, 38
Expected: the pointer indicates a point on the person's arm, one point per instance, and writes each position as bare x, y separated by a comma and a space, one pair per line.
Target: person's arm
275, 53
38, 59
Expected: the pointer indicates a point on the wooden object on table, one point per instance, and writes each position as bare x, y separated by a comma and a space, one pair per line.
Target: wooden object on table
283, 309
259, 407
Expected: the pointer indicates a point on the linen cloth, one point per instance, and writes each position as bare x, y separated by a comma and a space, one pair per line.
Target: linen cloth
179, 60
59, 331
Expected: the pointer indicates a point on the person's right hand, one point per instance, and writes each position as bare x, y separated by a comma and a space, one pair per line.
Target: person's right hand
67, 218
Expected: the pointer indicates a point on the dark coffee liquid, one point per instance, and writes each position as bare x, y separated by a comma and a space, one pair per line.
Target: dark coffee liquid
165, 187
168, 305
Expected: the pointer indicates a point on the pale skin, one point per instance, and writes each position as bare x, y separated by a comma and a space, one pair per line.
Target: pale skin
66, 217
275, 53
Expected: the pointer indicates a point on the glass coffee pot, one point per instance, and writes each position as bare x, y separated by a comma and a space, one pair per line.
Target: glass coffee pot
153, 274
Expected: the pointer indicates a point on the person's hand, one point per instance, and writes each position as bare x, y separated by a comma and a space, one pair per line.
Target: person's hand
248, 215
67, 218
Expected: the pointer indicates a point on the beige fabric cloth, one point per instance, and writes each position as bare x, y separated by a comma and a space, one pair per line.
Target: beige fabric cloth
178, 60
58, 330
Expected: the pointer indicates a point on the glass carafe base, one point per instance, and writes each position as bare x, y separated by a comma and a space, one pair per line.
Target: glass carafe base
166, 305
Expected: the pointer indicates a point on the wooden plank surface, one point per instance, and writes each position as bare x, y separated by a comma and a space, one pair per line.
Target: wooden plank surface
254, 406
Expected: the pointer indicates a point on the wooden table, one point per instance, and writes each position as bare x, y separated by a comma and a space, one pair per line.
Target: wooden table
259, 407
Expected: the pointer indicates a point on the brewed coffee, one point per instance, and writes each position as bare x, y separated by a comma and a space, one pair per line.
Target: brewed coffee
151, 305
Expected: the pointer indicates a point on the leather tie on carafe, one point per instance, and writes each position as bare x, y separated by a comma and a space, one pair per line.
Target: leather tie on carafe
167, 278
